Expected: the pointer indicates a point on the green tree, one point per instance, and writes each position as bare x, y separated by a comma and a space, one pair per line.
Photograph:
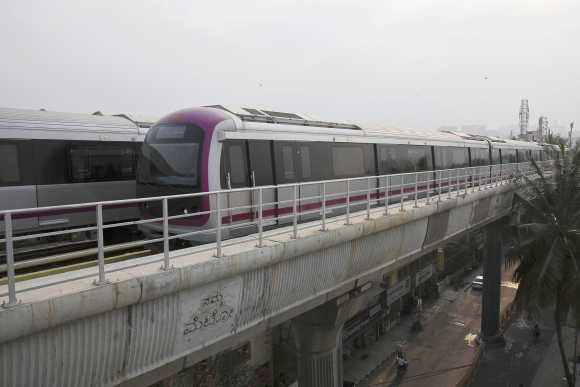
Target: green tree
548, 251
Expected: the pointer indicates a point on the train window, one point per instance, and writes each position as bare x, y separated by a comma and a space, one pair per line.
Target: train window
508, 156
261, 162
523, 155
288, 162
305, 162
9, 165
237, 165
495, 157
99, 162
447, 157
50, 159
348, 161
479, 156
404, 158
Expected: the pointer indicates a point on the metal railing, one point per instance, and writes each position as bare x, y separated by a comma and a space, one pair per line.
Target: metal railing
385, 191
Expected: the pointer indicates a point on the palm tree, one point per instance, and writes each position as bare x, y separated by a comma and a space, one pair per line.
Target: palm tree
548, 250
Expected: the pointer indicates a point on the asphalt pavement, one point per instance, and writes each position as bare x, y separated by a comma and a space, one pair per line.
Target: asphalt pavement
442, 352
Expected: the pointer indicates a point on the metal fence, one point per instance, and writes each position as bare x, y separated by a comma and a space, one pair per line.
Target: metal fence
390, 192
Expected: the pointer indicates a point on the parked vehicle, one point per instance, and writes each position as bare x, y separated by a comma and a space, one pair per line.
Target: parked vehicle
477, 282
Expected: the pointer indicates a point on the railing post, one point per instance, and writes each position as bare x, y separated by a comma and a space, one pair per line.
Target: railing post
100, 246
387, 197
165, 235
295, 214
402, 189
218, 232
449, 184
429, 176
9, 261
347, 201
439, 187
416, 188
466, 181
260, 220
368, 198
323, 206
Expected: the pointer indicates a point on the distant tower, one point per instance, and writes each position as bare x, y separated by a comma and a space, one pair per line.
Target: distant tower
542, 128
524, 116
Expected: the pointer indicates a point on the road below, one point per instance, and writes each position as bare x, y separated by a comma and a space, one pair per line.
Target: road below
443, 351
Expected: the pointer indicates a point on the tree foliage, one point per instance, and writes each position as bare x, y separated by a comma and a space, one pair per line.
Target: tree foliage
548, 250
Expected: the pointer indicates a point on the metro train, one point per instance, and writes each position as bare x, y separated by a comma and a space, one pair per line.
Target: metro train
50, 159
215, 147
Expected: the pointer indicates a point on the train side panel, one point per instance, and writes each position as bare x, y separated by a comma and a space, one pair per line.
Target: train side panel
19, 197
53, 195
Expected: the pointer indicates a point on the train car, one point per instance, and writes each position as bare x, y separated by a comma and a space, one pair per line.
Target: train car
210, 148
51, 158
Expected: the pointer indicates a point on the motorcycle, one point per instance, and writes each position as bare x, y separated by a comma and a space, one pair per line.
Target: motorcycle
402, 365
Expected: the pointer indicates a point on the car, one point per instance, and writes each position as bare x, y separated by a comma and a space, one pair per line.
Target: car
477, 282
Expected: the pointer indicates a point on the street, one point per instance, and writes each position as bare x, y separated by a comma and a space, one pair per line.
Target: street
443, 351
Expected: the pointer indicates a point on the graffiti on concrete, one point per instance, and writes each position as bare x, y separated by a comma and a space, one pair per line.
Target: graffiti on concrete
212, 311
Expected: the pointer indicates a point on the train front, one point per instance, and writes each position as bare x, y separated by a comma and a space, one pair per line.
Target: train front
174, 160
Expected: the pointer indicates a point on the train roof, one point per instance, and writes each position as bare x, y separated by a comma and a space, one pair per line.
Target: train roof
42, 124
264, 124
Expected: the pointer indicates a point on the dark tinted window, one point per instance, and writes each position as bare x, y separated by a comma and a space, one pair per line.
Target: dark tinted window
317, 157
174, 133
404, 158
348, 161
508, 156
51, 164
235, 163
306, 165
261, 162
523, 155
447, 157
285, 154
352, 160
9, 163
495, 157
99, 162
479, 156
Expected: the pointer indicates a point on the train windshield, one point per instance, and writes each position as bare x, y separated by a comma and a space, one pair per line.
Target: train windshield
171, 155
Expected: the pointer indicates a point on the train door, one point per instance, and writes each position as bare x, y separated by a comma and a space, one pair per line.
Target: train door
262, 174
308, 170
17, 186
286, 168
235, 174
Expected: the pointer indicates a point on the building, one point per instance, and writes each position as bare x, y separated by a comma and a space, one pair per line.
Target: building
524, 117
543, 128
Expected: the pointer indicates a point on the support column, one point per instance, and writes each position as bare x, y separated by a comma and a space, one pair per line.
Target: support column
261, 349
492, 267
318, 336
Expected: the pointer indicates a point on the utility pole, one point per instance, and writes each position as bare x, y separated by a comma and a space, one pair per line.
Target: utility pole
570, 134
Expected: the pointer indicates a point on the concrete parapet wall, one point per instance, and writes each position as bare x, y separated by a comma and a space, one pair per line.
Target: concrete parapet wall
116, 332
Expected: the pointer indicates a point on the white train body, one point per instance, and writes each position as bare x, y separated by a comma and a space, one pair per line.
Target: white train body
211, 148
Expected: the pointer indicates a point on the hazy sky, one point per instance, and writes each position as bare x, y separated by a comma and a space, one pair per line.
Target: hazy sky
404, 63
